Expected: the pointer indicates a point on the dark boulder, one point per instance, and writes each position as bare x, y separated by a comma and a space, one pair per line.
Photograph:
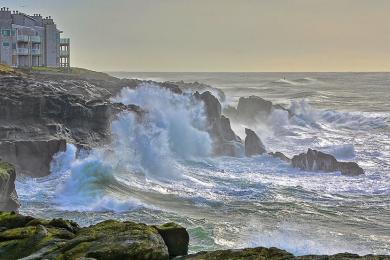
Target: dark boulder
252, 107
175, 237
253, 144
318, 161
280, 156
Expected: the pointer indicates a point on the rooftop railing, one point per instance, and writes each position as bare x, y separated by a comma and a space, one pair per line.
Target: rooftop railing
64, 41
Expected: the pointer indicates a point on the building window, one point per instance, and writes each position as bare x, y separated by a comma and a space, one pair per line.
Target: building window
5, 44
6, 32
13, 32
14, 46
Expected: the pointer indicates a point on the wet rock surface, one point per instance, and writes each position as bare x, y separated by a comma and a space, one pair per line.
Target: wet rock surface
8, 195
253, 144
33, 238
252, 109
318, 161
226, 142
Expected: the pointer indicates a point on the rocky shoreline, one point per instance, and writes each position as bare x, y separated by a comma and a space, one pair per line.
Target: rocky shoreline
41, 113
25, 237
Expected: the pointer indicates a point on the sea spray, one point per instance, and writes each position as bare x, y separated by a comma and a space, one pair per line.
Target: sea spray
169, 133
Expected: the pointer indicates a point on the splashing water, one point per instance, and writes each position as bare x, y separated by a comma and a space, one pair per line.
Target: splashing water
159, 170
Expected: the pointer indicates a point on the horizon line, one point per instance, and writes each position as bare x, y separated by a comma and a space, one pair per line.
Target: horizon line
124, 71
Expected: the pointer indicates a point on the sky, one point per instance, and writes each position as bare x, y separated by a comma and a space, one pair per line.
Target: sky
221, 35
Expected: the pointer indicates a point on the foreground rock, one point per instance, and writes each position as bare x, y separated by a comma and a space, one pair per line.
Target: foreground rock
22, 236
261, 253
8, 196
318, 161
253, 144
31, 238
226, 142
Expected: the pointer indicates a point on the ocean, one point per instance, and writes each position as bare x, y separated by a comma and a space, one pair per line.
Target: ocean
162, 171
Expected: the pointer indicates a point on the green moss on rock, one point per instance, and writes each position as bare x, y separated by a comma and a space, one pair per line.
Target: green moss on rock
259, 253
115, 240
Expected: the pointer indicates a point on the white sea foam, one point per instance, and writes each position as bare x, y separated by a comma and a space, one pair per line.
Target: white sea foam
163, 163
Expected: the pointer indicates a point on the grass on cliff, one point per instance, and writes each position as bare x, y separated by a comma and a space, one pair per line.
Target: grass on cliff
5, 69
79, 72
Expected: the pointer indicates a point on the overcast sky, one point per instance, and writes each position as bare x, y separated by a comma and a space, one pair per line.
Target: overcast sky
222, 35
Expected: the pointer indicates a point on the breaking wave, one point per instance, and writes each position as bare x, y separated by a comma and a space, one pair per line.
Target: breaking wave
169, 132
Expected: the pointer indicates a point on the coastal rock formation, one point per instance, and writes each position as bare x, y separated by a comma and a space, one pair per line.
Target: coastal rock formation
226, 142
280, 156
31, 158
22, 236
34, 238
8, 196
251, 109
175, 237
318, 161
261, 253
253, 144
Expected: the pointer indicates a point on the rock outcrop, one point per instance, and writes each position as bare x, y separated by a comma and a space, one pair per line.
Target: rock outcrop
8, 196
32, 238
226, 142
261, 253
252, 109
253, 144
175, 237
280, 156
318, 161
31, 158
22, 236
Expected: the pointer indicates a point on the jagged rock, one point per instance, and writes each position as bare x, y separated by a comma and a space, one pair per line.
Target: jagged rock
175, 237
318, 161
280, 156
226, 142
31, 158
253, 144
8, 196
251, 109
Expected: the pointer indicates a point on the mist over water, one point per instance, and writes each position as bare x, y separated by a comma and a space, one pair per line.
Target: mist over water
161, 170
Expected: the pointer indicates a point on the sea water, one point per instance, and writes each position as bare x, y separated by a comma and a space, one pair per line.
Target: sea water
162, 170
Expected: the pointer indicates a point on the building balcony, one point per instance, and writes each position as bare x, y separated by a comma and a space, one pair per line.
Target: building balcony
35, 51
36, 39
64, 41
21, 51
22, 38
64, 53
